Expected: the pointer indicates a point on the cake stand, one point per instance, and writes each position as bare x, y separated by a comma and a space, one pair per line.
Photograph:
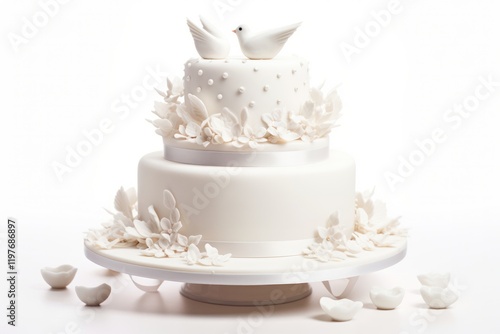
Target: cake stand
247, 281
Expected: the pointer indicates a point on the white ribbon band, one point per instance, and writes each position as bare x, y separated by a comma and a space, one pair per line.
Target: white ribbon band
245, 159
261, 249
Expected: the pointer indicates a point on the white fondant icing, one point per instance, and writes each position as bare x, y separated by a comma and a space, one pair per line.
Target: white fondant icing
237, 75
233, 204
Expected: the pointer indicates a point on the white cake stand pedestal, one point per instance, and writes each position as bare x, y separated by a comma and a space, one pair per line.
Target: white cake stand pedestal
247, 281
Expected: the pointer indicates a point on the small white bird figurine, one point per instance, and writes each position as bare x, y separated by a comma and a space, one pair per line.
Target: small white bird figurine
210, 42
265, 44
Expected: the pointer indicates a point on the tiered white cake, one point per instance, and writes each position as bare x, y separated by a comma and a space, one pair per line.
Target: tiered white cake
246, 157
246, 170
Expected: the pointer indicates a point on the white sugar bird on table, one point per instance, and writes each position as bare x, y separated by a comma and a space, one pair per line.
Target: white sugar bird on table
210, 42
264, 44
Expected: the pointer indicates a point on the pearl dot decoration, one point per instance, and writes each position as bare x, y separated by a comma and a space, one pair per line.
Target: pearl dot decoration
198, 89
255, 69
219, 96
210, 82
294, 71
251, 104
278, 75
295, 89
266, 88
225, 75
189, 64
278, 101
188, 78
200, 72
241, 90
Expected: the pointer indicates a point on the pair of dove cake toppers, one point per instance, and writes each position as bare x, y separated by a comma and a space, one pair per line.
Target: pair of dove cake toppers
211, 42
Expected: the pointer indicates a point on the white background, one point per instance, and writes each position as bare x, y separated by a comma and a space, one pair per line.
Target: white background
77, 68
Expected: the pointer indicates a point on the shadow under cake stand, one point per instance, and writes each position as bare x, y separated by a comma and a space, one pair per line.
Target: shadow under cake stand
247, 281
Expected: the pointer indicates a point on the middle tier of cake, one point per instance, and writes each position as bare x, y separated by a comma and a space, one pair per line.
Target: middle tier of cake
252, 211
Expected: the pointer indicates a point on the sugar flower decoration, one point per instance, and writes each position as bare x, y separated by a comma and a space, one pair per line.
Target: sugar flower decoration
187, 118
155, 237
372, 229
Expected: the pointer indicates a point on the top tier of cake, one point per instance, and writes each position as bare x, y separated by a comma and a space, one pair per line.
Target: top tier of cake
261, 86
240, 104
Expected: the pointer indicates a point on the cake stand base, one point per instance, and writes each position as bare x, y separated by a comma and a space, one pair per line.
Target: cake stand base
246, 295
247, 281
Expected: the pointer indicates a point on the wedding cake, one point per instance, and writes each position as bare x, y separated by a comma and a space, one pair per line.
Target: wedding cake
246, 169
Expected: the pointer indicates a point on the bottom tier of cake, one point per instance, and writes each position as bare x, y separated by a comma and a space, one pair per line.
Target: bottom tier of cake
252, 211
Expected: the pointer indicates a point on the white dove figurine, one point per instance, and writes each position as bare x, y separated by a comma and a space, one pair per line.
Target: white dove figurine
210, 42
265, 44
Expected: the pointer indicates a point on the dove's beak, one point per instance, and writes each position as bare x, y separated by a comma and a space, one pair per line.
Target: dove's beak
234, 30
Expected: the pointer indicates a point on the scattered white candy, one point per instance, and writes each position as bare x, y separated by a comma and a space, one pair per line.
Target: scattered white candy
59, 277
340, 310
93, 296
387, 299
435, 279
437, 297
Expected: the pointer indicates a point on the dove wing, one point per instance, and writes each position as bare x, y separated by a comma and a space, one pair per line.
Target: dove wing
211, 27
281, 35
199, 34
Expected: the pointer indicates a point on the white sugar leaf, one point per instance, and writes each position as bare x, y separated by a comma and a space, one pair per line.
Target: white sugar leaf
168, 199
323, 232
353, 247
243, 140
161, 93
211, 251
307, 109
163, 124
165, 239
143, 228
177, 226
153, 215
122, 203
216, 124
220, 259
182, 240
337, 255
160, 253
149, 242
334, 99
362, 217
316, 96
244, 116
198, 110
165, 224
161, 109
175, 215
268, 119
253, 144
169, 84
194, 239
193, 130
289, 136
236, 130
132, 195
261, 132
193, 254
228, 117
131, 232
334, 219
